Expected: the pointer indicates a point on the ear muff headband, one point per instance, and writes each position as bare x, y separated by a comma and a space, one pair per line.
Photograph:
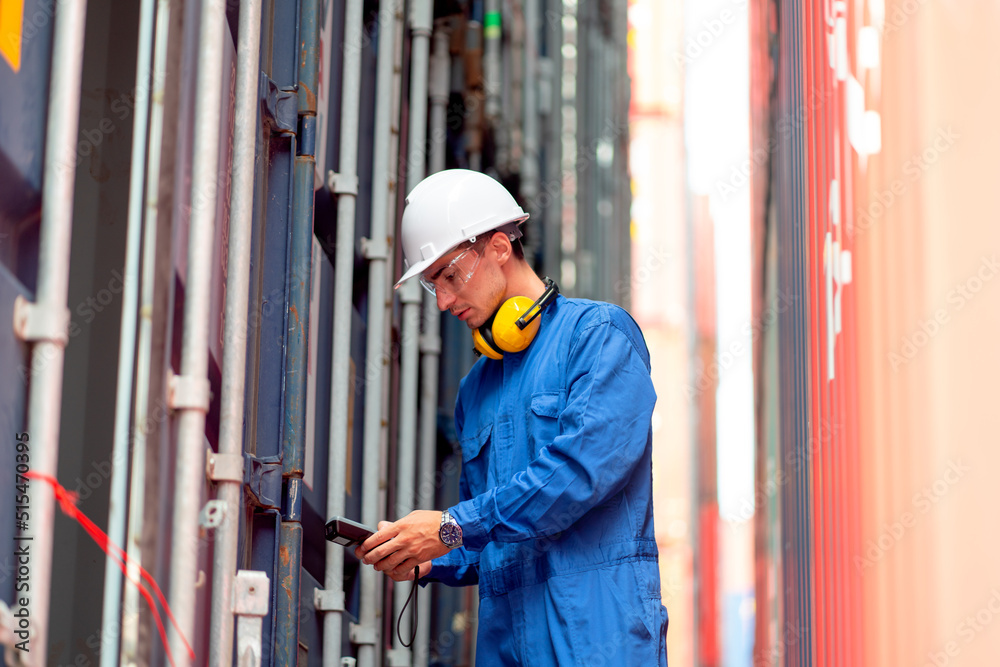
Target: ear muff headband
514, 325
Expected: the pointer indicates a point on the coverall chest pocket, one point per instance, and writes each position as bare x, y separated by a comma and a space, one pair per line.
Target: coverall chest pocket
543, 419
475, 443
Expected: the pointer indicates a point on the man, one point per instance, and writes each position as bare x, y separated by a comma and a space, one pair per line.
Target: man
555, 522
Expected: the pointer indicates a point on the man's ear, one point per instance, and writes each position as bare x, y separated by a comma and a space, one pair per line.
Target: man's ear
501, 244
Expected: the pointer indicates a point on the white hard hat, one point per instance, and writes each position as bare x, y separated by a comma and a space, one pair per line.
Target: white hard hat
450, 207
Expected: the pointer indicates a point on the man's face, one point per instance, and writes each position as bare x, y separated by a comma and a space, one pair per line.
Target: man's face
473, 300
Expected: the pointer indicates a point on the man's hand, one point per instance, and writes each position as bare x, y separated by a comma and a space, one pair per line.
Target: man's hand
397, 548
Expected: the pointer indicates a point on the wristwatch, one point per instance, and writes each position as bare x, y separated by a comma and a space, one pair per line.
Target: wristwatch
450, 532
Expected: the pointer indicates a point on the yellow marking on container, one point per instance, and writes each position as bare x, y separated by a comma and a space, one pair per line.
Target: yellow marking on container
11, 23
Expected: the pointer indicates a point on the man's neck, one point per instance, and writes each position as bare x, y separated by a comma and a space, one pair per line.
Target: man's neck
524, 282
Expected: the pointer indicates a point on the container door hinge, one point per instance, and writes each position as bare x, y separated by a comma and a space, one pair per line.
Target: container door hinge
280, 106
262, 479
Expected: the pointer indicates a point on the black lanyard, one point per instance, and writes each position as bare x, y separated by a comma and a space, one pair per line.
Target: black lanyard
411, 596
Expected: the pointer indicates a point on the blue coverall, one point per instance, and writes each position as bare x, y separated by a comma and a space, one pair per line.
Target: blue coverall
556, 506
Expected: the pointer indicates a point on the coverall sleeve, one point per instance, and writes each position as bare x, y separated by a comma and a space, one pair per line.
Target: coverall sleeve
603, 434
458, 567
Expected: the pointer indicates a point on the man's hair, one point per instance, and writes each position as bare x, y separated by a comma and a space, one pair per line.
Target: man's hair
518, 249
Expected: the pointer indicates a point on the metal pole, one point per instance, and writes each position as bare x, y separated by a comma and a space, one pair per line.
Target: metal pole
552, 215
399, 28
492, 34
406, 441
421, 17
189, 392
581, 139
475, 97
623, 205
235, 330
126, 358
378, 249
430, 342
513, 99
141, 427
530, 176
296, 342
344, 184
45, 323
440, 87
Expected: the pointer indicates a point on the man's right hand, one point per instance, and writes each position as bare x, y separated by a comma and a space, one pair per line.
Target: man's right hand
397, 547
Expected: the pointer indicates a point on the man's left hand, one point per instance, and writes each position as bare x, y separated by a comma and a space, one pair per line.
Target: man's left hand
396, 548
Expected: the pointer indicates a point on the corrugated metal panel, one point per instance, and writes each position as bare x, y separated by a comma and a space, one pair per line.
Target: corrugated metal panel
25, 55
264, 558
815, 384
605, 242
13, 355
925, 216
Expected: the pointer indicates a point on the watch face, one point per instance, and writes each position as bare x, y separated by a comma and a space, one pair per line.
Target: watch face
451, 535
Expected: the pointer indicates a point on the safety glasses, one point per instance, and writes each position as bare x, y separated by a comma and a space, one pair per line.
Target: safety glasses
454, 275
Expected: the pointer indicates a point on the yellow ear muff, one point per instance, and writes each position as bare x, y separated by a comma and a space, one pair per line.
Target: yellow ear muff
514, 325
483, 346
506, 334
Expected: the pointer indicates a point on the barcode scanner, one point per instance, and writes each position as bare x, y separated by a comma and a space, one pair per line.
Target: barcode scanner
349, 533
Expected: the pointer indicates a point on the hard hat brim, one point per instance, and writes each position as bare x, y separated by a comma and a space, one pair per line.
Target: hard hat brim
423, 265
415, 270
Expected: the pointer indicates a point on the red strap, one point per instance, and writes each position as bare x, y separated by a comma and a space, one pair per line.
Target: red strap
67, 501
